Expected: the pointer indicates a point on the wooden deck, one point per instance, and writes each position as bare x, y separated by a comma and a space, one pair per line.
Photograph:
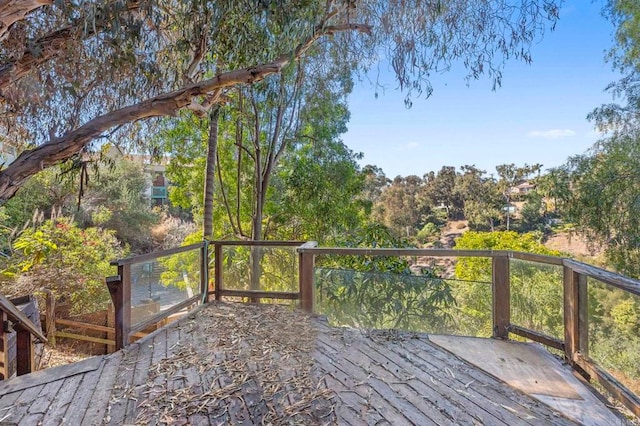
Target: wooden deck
250, 364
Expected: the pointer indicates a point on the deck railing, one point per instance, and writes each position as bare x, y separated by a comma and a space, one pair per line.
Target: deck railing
149, 288
11, 318
575, 280
575, 343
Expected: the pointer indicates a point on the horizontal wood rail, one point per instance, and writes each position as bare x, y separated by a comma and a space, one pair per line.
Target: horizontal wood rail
260, 294
19, 319
120, 285
552, 342
155, 255
155, 319
85, 338
358, 251
617, 389
615, 280
575, 274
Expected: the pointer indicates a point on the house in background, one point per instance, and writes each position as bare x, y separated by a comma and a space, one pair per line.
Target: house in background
523, 188
158, 184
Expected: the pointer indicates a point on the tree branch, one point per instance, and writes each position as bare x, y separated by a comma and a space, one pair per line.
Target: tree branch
12, 11
48, 47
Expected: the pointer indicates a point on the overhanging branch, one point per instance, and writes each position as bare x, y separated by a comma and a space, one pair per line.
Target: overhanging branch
61, 148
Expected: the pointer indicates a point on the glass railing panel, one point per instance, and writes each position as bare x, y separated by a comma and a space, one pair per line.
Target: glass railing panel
614, 332
162, 283
260, 268
537, 297
376, 300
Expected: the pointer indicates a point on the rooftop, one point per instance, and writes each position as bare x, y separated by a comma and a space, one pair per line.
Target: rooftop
253, 364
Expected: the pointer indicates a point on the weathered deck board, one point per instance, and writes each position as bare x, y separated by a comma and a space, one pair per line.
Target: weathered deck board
80, 403
429, 401
122, 389
58, 408
102, 392
429, 355
44, 398
368, 378
533, 370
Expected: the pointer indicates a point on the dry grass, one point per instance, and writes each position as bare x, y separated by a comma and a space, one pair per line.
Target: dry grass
231, 365
60, 355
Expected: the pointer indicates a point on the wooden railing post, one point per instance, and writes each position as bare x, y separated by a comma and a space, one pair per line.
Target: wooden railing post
5, 370
50, 317
25, 352
583, 315
501, 292
306, 266
576, 334
204, 271
120, 290
217, 270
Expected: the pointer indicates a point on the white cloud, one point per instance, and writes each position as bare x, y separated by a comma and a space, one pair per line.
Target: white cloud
551, 134
412, 145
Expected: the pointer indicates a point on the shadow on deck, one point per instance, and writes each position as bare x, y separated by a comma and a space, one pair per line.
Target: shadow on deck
257, 364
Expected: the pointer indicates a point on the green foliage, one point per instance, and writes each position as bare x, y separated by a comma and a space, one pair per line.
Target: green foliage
182, 270
378, 300
70, 261
401, 207
614, 332
481, 197
116, 199
536, 290
380, 291
368, 236
478, 269
532, 213
604, 199
429, 232
44, 193
320, 196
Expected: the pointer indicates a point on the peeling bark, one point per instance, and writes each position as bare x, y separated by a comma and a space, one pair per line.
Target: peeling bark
209, 182
168, 104
49, 46
12, 11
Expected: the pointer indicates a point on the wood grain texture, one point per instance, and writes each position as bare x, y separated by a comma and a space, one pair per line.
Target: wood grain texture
373, 377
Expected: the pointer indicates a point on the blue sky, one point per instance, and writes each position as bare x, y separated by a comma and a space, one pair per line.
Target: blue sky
538, 115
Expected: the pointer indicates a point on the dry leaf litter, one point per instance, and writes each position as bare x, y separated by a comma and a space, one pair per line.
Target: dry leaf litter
230, 365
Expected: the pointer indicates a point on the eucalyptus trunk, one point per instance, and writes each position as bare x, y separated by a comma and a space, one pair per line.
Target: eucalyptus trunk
209, 181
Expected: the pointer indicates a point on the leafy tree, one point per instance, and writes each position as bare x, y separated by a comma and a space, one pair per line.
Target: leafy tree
536, 290
481, 197
43, 194
65, 259
375, 182
510, 176
320, 195
400, 207
73, 72
439, 189
555, 187
604, 199
379, 291
532, 213
116, 199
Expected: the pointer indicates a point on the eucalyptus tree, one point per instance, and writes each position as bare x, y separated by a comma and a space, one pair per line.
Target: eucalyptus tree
73, 73
481, 197
510, 176
604, 199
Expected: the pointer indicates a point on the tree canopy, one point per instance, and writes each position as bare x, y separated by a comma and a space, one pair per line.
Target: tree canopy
72, 73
